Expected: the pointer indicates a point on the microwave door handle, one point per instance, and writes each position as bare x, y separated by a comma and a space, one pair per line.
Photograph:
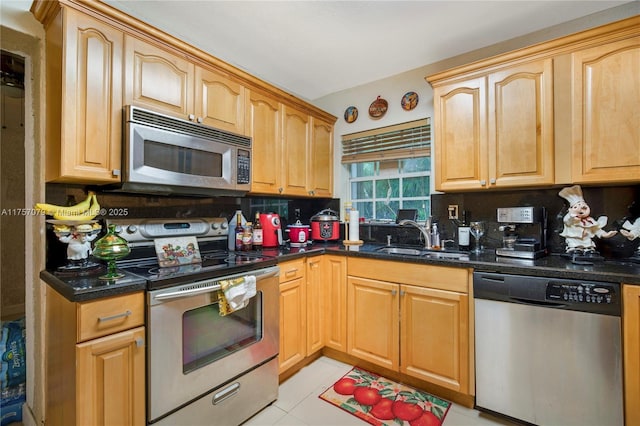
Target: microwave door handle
184, 293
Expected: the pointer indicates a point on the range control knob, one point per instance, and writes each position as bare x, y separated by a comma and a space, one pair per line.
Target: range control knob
132, 229
224, 225
215, 226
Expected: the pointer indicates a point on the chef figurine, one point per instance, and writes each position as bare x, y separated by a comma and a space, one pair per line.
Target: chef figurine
79, 240
632, 231
579, 227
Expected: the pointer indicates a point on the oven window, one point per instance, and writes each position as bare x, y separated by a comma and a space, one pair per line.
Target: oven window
207, 336
179, 159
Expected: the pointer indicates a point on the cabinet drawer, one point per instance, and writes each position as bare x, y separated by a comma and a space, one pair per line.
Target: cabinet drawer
291, 270
438, 277
106, 316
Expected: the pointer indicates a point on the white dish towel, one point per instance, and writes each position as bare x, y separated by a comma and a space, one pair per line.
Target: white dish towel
236, 293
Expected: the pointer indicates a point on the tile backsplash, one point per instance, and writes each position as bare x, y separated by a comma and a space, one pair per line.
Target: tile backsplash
618, 203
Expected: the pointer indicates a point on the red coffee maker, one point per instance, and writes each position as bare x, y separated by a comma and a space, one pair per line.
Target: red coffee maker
271, 230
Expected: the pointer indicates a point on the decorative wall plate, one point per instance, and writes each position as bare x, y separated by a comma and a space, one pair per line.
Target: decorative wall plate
351, 114
409, 101
378, 108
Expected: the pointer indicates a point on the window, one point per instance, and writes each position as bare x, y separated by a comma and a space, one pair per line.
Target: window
390, 169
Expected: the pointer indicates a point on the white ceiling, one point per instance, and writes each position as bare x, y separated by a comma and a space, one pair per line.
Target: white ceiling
315, 48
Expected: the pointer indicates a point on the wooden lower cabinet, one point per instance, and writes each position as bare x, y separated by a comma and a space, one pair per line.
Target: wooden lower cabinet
111, 379
631, 345
335, 294
95, 361
293, 314
315, 305
411, 318
434, 343
372, 321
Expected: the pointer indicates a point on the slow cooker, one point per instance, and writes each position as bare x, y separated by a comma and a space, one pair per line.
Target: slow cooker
325, 226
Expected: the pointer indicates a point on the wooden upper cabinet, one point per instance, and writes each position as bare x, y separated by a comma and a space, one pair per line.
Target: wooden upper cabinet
219, 101
172, 84
520, 125
296, 134
84, 88
606, 113
460, 135
157, 79
264, 126
496, 130
321, 151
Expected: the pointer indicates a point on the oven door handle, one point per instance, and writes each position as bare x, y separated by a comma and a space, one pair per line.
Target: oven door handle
209, 286
189, 292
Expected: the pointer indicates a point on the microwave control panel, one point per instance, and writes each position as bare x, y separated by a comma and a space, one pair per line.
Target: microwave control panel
244, 167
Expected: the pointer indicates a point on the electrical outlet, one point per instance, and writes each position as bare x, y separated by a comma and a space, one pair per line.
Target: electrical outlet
453, 211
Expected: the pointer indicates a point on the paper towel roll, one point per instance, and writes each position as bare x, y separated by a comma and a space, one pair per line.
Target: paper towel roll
354, 225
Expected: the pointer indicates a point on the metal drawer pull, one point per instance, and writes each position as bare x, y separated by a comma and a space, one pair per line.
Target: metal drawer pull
291, 272
226, 393
112, 317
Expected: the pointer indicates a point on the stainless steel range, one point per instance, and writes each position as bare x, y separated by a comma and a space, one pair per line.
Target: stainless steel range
202, 365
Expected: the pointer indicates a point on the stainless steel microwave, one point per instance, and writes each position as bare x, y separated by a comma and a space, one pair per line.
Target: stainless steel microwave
170, 156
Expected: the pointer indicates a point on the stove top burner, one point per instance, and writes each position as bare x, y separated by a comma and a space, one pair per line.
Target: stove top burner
214, 263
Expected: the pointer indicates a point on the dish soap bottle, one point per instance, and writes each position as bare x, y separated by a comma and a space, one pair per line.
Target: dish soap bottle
463, 233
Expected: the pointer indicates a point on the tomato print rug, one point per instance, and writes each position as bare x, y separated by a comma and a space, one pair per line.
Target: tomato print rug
379, 401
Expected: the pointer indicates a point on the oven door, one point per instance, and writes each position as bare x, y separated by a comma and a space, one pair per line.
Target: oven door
192, 349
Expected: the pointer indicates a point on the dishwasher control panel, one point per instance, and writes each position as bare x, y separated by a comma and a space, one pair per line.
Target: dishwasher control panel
587, 292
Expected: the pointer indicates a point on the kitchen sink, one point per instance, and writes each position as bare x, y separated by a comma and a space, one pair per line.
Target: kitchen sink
431, 254
400, 250
445, 255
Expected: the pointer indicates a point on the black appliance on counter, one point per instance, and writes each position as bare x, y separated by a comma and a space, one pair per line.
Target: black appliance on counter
529, 227
201, 363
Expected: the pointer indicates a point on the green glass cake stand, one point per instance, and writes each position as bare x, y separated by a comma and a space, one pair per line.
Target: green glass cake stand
111, 247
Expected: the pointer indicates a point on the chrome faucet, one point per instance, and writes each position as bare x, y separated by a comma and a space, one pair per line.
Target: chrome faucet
425, 230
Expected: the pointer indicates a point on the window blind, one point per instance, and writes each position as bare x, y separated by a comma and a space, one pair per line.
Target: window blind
406, 140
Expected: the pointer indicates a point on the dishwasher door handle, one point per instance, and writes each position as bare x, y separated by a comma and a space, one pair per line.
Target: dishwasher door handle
540, 303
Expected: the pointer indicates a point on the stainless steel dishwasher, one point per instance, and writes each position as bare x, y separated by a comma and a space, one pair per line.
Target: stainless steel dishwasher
548, 351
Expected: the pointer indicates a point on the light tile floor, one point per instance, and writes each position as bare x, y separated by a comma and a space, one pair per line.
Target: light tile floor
298, 403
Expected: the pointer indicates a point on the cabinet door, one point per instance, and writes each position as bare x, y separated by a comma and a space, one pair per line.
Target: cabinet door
372, 321
157, 79
90, 122
631, 345
460, 135
110, 387
520, 125
434, 336
321, 167
335, 312
264, 126
219, 101
296, 133
293, 323
315, 305
606, 113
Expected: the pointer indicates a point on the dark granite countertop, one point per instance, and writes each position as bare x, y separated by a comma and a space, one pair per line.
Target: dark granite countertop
555, 266
90, 287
